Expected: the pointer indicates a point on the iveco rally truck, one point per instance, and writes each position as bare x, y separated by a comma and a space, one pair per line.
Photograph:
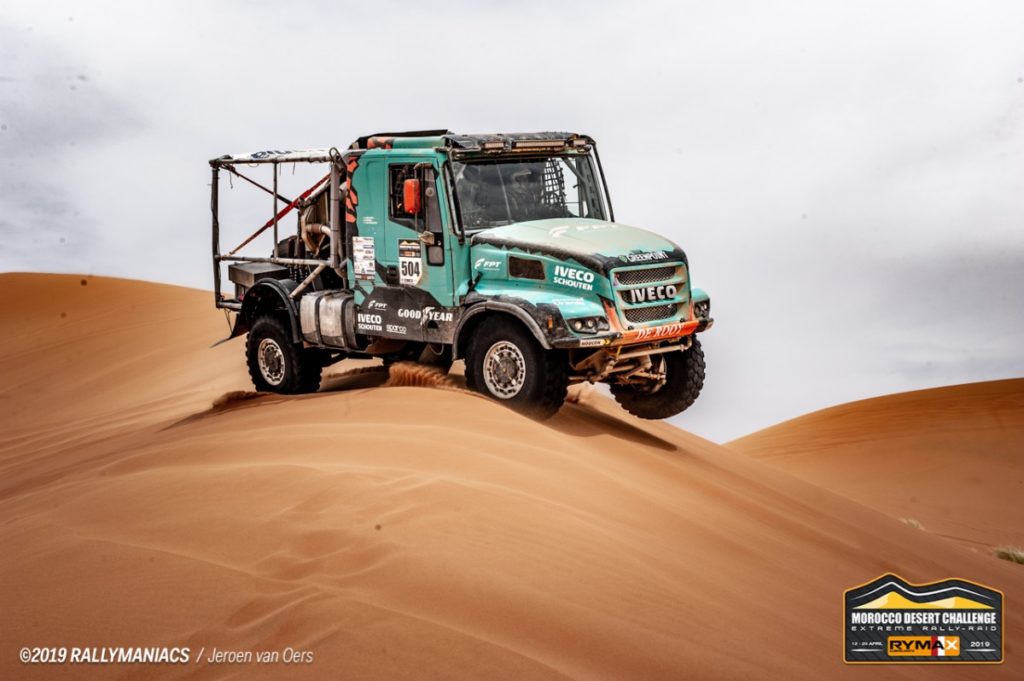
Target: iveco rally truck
497, 249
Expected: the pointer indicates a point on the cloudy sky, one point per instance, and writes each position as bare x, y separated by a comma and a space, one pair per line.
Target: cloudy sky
845, 177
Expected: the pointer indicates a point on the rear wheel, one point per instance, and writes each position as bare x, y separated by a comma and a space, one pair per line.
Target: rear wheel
684, 378
276, 364
506, 363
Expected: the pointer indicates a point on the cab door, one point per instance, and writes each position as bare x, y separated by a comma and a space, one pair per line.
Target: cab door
412, 295
414, 256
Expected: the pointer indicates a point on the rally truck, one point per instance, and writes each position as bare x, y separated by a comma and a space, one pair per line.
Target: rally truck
497, 249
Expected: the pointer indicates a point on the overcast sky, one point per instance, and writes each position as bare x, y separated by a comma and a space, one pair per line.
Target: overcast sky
846, 178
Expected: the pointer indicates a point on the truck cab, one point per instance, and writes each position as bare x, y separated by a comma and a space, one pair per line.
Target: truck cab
498, 249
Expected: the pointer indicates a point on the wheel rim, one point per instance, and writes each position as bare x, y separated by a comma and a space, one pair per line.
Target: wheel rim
271, 361
504, 370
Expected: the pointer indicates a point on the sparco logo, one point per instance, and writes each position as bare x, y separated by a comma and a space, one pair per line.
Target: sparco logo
574, 278
646, 257
485, 264
376, 305
649, 293
368, 318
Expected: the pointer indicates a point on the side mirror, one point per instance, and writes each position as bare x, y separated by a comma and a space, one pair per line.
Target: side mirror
411, 196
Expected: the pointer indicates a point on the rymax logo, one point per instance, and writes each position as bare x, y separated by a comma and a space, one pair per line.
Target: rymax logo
574, 278
649, 293
485, 264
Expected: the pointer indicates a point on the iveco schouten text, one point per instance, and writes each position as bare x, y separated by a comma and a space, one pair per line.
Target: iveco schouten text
499, 249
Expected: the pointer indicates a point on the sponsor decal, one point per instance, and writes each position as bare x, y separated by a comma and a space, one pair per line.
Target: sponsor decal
568, 302
369, 220
364, 257
574, 278
592, 342
432, 315
376, 305
666, 331
410, 264
395, 328
649, 293
485, 264
890, 620
562, 230
911, 646
650, 256
368, 322
256, 155
427, 314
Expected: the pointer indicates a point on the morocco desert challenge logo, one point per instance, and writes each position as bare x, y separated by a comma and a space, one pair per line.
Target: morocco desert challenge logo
890, 620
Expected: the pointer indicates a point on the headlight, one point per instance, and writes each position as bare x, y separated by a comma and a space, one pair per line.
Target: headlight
702, 309
588, 324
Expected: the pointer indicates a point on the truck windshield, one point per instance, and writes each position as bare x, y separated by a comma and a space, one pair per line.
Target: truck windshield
494, 192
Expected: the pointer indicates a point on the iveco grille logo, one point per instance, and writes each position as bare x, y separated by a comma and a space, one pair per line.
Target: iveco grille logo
650, 293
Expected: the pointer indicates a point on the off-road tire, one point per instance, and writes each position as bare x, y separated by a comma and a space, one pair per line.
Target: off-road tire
546, 378
300, 367
684, 380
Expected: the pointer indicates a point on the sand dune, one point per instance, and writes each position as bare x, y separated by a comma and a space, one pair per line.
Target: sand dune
951, 459
400, 532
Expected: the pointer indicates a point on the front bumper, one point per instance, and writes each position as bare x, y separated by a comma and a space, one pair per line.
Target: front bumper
634, 336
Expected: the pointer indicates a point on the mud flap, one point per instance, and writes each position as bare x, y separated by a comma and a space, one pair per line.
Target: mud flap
237, 331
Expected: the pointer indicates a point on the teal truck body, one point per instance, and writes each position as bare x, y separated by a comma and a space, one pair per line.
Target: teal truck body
501, 250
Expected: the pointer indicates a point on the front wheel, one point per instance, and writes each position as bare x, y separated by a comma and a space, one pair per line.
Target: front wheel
684, 378
278, 365
506, 363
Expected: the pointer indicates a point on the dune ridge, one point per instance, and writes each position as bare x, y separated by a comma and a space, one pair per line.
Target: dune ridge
950, 459
400, 532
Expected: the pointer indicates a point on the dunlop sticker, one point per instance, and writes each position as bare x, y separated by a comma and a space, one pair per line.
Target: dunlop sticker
890, 620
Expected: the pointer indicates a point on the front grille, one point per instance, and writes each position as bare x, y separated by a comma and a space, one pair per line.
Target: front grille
644, 276
642, 315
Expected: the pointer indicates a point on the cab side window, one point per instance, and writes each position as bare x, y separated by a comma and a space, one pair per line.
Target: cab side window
397, 174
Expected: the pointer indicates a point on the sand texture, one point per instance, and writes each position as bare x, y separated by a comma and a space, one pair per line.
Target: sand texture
950, 459
421, 532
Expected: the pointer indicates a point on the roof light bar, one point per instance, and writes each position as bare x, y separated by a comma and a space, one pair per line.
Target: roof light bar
538, 144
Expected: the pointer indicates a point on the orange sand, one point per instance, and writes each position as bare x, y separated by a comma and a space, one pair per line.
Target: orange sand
950, 458
398, 532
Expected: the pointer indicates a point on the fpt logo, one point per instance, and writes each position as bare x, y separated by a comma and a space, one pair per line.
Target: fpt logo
889, 620
485, 264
